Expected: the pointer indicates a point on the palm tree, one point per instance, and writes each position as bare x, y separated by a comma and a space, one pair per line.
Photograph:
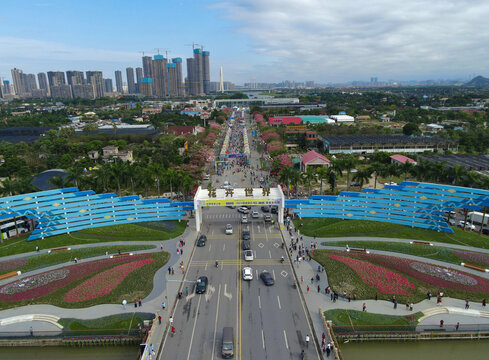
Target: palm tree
295, 177
133, 171
8, 187
456, 174
285, 177
376, 168
60, 182
331, 176
348, 163
145, 179
309, 175
157, 171
75, 173
103, 175
171, 176
117, 172
322, 174
188, 183
406, 169
362, 176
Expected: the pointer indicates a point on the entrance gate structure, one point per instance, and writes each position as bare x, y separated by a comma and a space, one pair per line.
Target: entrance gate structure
238, 197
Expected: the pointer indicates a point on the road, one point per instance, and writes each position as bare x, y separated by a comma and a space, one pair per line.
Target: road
269, 322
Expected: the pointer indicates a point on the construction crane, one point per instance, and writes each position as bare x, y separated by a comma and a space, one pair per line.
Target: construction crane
193, 45
141, 52
162, 50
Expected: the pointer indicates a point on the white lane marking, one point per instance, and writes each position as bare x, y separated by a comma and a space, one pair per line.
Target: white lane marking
279, 306
256, 271
205, 267
286, 342
258, 228
262, 339
193, 329
273, 271
210, 291
212, 231
259, 302
210, 247
223, 246
269, 254
215, 323
189, 296
266, 235
226, 294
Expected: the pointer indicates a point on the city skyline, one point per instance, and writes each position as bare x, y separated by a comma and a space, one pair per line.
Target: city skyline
253, 40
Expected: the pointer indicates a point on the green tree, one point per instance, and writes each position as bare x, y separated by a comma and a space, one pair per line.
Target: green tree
322, 174
411, 129
117, 173
348, 163
157, 171
363, 176
309, 176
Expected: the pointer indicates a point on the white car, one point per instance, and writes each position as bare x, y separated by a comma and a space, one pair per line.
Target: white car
244, 219
247, 273
229, 229
391, 183
248, 255
467, 225
243, 210
255, 215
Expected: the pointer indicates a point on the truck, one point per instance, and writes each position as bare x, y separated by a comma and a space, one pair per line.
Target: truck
475, 217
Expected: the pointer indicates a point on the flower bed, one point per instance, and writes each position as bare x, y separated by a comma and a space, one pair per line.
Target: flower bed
430, 274
474, 257
47, 282
384, 280
14, 264
104, 282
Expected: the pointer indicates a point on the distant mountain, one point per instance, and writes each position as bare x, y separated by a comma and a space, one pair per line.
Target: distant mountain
478, 81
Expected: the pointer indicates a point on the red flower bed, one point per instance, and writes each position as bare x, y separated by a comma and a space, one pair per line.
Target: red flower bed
384, 280
14, 264
431, 274
49, 281
104, 282
471, 256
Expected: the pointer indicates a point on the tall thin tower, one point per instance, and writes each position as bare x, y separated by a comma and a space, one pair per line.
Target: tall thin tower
221, 81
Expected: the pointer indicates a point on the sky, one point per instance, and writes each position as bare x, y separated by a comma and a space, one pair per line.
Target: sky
253, 40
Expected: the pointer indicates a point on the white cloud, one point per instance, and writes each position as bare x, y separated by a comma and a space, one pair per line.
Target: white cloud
352, 39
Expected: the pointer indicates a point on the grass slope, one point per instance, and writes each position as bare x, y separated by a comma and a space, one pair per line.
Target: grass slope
119, 321
150, 231
350, 228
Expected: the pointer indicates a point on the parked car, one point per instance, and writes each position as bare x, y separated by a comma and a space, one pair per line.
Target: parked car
254, 214
245, 244
248, 255
201, 241
274, 209
229, 229
201, 285
243, 210
265, 209
267, 278
247, 273
245, 234
467, 225
267, 218
244, 219
356, 183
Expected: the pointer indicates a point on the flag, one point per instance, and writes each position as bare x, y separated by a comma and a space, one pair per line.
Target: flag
186, 145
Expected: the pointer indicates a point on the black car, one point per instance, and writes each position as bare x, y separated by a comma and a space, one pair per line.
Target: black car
267, 278
246, 245
265, 209
201, 286
274, 209
201, 241
245, 234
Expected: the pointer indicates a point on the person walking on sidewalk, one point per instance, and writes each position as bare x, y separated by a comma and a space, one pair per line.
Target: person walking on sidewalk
307, 340
364, 307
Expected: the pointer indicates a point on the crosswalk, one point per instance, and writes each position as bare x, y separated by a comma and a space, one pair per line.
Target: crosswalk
235, 262
229, 215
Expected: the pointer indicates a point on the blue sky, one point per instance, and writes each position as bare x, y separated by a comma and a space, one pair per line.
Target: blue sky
269, 40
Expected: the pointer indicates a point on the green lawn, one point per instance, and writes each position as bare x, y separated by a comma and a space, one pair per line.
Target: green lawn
343, 278
324, 227
43, 260
138, 283
119, 321
352, 320
430, 252
149, 231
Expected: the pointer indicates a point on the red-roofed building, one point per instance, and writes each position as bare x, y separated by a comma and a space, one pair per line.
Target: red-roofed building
284, 120
182, 130
401, 159
315, 159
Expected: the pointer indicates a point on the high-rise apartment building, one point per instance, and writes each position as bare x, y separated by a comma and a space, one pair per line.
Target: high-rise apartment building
17, 77
139, 78
118, 81
43, 82
56, 78
148, 66
189, 89
205, 71
179, 76
108, 87
160, 78
96, 79
7, 88
131, 85
62, 91
75, 77
146, 86
172, 79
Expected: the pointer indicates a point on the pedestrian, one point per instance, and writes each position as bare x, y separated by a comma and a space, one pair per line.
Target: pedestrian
178, 251
428, 295
349, 298
37, 248
317, 277
457, 326
302, 279
344, 295
466, 304
323, 336
407, 306
172, 271
169, 270
395, 304
159, 319
124, 302
328, 350
181, 251
172, 330
135, 303
364, 307
312, 280
376, 297
163, 306
483, 302
76, 260
183, 270
307, 340
308, 289
140, 301
171, 320
31, 331
319, 289
186, 290
411, 305
161, 246
441, 323
332, 296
